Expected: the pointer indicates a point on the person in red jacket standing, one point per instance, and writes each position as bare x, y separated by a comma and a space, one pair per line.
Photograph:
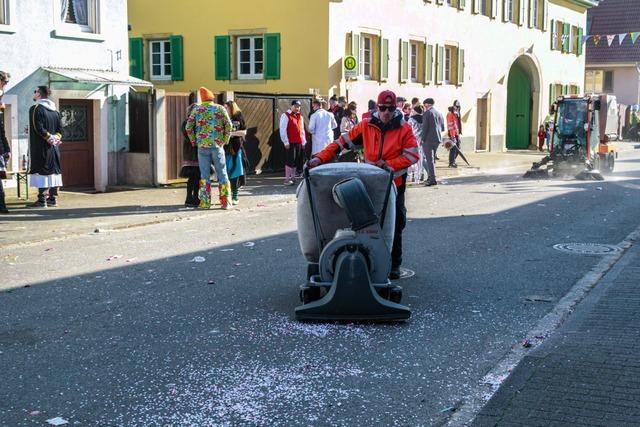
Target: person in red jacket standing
294, 138
388, 142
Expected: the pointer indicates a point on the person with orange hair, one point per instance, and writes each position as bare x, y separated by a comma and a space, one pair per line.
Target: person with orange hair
209, 128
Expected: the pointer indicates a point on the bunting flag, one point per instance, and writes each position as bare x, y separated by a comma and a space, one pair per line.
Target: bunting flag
621, 37
610, 39
634, 36
596, 40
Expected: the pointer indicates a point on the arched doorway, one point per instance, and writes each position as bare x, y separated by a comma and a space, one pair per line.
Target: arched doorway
519, 107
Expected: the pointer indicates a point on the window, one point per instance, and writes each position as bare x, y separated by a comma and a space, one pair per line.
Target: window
509, 10
3, 13
250, 57
413, 62
574, 40
79, 15
485, 8
367, 56
160, 59
607, 85
593, 81
556, 42
534, 13
448, 64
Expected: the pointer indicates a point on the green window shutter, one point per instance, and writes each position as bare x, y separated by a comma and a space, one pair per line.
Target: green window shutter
384, 59
475, 6
545, 14
460, 66
553, 35
136, 57
505, 15
552, 94
272, 56
565, 89
355, 49
566, 38
494, 9
461, 4
428, 68
177, 61
222, 49
439, 64
404, 61
580, 34
531, 4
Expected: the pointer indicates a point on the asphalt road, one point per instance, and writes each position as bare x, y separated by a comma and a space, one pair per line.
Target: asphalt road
126, 328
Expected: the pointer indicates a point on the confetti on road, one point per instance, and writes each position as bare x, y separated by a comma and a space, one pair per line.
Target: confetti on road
57, 421
198, 259
114, 257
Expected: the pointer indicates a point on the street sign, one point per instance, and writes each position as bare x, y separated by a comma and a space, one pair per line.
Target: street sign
350, 67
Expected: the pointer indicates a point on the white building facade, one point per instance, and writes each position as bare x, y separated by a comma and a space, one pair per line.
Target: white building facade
79, 48
504, 60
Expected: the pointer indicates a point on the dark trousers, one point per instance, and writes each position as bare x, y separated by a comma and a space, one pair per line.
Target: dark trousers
234, 187
192, 190
401, 222
295, 156
47, 194
453, 153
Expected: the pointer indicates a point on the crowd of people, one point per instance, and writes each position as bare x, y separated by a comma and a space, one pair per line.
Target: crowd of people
428, 126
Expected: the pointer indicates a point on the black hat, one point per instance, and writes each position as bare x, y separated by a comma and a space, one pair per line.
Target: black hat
296, 102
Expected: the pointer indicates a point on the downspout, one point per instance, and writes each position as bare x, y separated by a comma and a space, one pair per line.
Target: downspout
151, 99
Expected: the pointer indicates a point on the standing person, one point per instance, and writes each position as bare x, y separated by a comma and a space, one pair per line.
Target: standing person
5, 148
45, 134
432, 128
406, 111
294, 138
350, 118
190, 167
542, 136
321, 126
400, 102
454, 136
415, 101
371, 108
209, 127
388, 142
458, 112
234, 150
416, 171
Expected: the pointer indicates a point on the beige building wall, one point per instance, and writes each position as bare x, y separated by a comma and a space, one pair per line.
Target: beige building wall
491, 48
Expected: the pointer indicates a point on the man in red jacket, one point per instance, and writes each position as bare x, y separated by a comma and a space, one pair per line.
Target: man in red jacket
389, 143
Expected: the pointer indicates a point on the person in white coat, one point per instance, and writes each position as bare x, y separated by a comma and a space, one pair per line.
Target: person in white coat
321, 126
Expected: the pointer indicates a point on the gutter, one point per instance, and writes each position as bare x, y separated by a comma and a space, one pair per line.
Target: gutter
584, 3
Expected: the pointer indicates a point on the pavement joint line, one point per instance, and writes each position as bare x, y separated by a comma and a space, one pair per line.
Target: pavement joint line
491, 382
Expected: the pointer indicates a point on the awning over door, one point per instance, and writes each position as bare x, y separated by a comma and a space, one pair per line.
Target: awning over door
79, 75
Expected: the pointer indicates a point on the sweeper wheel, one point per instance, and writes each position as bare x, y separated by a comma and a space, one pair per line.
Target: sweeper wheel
310, 293
395, 294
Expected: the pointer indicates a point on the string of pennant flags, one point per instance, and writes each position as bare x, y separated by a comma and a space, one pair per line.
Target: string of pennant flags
608, 37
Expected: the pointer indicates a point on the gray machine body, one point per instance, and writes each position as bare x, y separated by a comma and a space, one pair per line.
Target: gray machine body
335, 225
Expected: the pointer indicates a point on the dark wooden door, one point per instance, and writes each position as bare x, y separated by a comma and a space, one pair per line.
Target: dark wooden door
76, 151
139, 122
176, 112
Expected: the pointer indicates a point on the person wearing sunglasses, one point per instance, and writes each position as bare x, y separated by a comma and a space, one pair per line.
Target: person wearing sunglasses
389, 143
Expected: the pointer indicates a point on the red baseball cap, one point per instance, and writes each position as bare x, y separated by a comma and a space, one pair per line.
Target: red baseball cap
387, 97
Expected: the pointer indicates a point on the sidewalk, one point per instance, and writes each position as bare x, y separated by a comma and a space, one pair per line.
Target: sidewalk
588, 372
83, 213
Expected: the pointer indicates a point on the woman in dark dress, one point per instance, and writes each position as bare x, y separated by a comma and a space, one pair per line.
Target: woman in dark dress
234, 150
190, 168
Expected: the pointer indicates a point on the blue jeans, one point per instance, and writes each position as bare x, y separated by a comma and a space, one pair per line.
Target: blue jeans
212, 155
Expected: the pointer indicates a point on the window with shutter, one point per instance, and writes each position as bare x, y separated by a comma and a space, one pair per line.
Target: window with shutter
460, 67
222, 55
250, 58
